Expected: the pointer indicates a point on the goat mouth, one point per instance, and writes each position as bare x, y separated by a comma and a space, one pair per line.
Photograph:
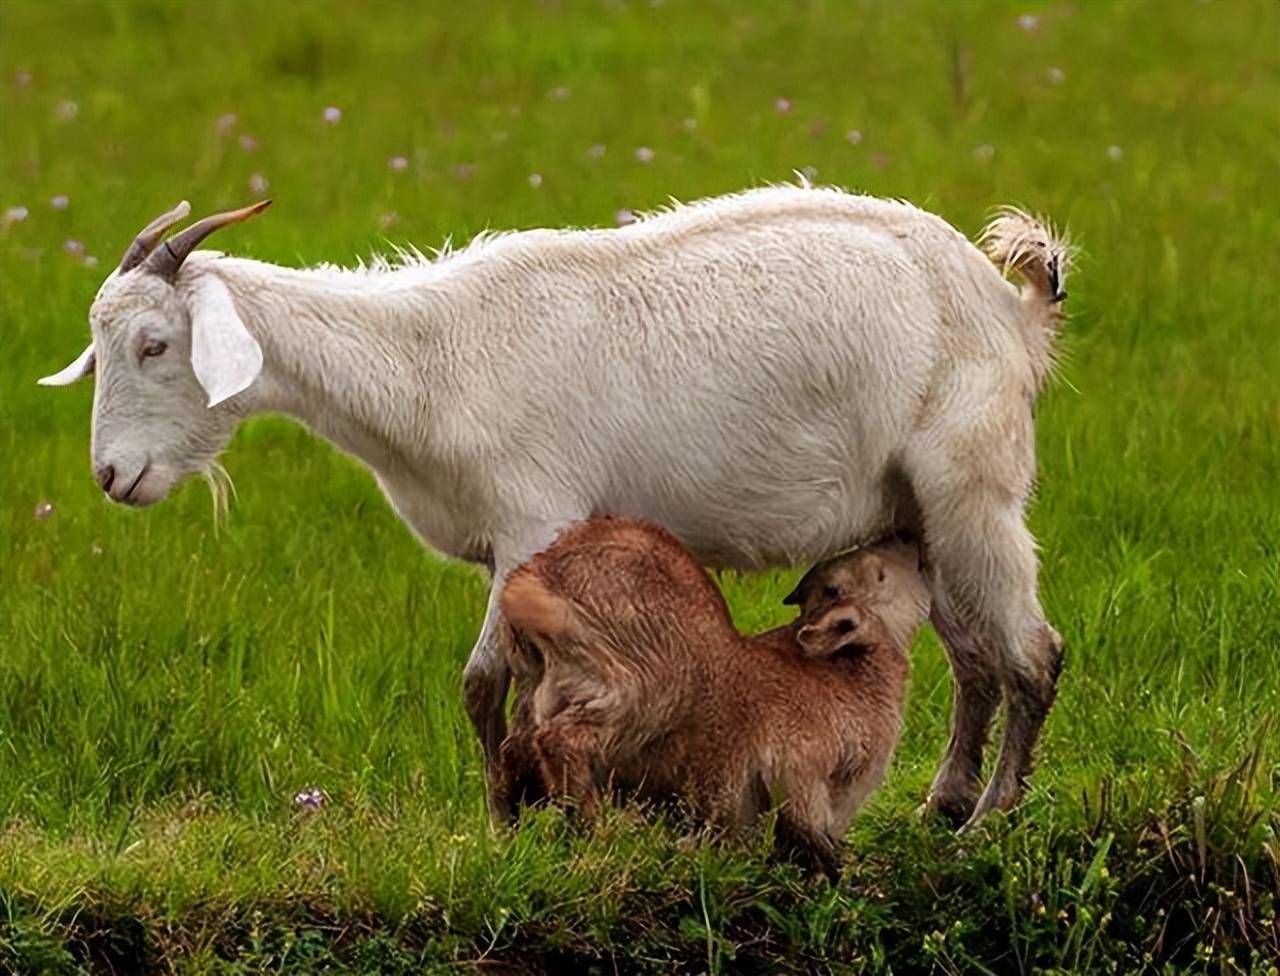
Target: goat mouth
127, 497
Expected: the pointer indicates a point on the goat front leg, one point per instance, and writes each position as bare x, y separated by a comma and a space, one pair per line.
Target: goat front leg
519, 783
488, 672
484, 687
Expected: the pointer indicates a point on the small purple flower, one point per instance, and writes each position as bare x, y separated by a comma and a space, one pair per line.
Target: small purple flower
984, 153
43, 511
1115, 153
624, 217
644, 155
853, 136
559, 93
398, 164
247, 142
67, 110
1055, 75
332, 114
74, 247
689, 124
596, 151
535, 180
1028, 22
90, 261
782, 105
16, 215
226, 122
60, 202
387, 219
22, 79
310, 800
259, 183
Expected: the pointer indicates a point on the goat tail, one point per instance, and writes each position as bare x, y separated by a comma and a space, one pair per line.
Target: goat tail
1014, 239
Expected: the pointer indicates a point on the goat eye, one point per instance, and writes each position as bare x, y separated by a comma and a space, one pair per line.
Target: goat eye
153, 348
830, 592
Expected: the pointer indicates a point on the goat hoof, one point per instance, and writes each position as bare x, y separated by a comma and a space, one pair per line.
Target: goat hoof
973, 823
955, 812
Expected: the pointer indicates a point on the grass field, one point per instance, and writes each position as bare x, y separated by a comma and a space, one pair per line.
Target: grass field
167, 684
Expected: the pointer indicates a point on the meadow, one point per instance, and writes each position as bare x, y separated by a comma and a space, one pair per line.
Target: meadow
169, 681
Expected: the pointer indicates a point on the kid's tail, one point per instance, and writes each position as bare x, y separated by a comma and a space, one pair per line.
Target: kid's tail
529, 606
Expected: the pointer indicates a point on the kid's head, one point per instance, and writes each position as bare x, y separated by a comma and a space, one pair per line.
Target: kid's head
873, 595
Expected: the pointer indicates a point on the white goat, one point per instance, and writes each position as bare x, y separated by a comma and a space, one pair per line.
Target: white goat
775, 376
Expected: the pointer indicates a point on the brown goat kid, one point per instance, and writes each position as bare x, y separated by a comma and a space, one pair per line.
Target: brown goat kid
635, 679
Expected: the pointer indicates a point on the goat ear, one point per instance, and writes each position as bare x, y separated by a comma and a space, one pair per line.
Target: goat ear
82, 367
225, 357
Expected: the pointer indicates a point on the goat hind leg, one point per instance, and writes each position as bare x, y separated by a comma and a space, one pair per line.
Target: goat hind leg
987, 564
976, 681
1031, 682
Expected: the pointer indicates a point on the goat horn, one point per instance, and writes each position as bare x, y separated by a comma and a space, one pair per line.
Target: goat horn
150, 235
167, 259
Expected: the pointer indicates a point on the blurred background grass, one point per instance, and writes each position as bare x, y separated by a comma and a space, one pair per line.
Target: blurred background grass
166, 685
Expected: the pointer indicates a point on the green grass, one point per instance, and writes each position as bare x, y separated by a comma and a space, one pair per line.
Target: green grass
166, 685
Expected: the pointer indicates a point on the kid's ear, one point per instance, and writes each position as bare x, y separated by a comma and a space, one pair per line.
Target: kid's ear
225, 357
818, 640
875, 565
807, 637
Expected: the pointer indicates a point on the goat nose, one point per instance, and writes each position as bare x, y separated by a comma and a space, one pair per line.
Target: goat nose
106, 475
